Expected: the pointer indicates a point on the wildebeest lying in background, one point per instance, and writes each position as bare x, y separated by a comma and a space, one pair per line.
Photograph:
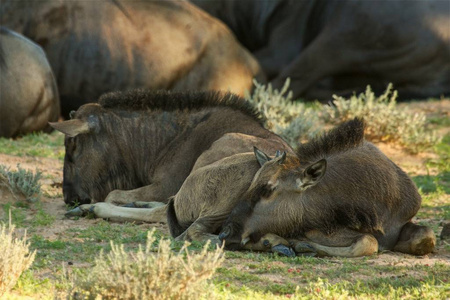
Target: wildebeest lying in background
339, 192
337, 47
101, 46
28, 94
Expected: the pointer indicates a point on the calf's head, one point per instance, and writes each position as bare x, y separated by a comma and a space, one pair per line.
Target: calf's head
271, 204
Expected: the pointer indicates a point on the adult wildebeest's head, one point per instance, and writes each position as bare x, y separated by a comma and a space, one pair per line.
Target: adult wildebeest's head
336, 181
92, 157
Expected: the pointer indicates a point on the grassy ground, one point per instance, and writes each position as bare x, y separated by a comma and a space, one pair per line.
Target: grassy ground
66, 247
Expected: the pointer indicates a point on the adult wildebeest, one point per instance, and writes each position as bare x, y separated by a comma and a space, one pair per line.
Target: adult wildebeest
195, 147
101, 46
28, 94
337, 47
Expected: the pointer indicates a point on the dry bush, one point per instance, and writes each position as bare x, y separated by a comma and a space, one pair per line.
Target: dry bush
21, 183
291, 120
151, 273
385, 121
15, 257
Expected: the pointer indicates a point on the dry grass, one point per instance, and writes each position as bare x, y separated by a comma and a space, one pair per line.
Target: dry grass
15, 257
151, 273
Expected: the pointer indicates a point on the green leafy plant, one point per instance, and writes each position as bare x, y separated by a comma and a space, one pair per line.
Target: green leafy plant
21, 182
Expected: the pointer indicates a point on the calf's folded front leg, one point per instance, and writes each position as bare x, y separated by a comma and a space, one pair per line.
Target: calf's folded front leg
344, 243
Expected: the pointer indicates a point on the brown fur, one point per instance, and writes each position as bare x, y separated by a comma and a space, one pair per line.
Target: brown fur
28, 95
101, 46
361, 191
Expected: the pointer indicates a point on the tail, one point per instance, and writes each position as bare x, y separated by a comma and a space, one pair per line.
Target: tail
175, 228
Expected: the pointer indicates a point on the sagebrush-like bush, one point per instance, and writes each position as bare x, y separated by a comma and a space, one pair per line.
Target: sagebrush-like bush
291, 120
151, 273
21, 182
15, 257
384, 120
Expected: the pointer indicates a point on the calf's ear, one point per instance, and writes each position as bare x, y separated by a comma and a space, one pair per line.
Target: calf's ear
71, 128
280, 158
261, 157
314, 173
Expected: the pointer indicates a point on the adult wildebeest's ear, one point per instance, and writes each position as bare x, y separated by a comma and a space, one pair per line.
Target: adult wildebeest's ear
71, 128
261, 157
313, 174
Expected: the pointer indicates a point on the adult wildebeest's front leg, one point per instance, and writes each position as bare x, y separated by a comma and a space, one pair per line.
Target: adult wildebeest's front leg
155, 213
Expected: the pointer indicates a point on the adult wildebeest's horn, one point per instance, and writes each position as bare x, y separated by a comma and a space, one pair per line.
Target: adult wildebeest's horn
71, 128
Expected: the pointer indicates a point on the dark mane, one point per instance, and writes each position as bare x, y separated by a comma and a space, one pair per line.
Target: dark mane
170, 101
346, 136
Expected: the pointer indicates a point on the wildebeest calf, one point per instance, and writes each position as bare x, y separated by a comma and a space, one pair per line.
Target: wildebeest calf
339, 193
194, 149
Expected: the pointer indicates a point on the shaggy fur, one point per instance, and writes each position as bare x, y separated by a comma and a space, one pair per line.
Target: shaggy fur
347, 136
169, 101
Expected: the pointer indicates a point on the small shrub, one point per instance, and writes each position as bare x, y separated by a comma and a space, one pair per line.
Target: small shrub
291, 120
162, 274
21, 182
15, 257
385, 121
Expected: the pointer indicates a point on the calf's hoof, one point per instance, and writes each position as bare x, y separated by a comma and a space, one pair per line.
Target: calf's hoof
283, 250
301, 247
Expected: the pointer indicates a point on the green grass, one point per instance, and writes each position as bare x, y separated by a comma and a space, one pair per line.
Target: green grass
353, 277
14, 214
35, 144
19, 211
28, 284
436, 188
104, 231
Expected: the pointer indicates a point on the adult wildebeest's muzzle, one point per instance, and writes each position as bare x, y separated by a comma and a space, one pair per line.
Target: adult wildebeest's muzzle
72, 198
